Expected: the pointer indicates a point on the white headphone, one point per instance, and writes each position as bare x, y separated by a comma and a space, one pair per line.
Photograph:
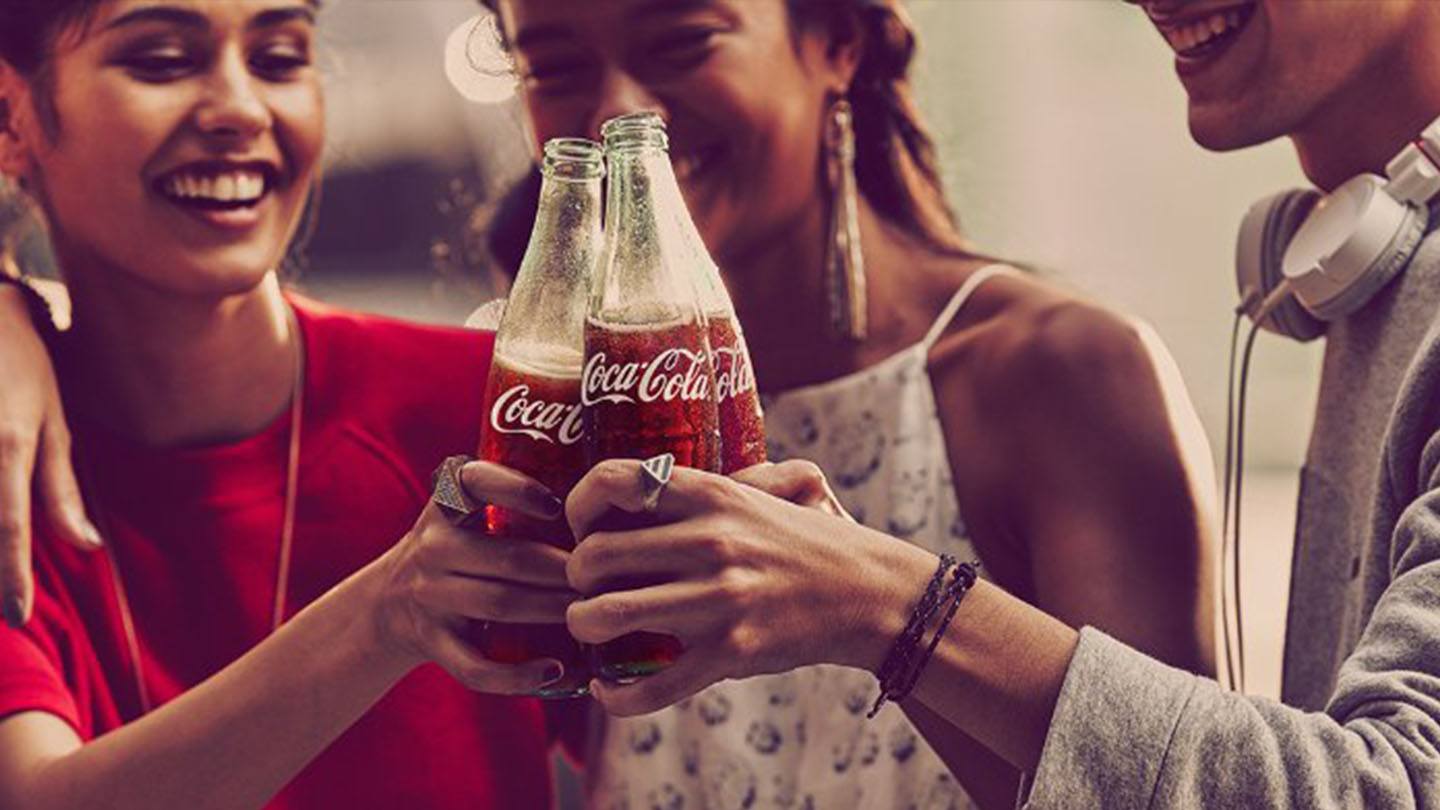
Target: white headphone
1334, 252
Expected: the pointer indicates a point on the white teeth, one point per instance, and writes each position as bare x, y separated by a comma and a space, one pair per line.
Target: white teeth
251, 186
234, 186
1198, 32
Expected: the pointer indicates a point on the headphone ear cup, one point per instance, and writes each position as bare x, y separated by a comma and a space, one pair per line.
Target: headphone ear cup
1265, 234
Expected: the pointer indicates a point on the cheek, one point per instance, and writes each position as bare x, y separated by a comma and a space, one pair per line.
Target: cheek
300, 126
789, 146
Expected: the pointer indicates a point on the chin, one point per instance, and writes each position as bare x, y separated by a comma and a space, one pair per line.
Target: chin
214, 277
1229, 129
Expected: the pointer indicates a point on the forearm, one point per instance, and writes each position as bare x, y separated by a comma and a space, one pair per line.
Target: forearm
234, 740
998, 668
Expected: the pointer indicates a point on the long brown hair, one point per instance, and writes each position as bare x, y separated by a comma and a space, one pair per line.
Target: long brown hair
896, 166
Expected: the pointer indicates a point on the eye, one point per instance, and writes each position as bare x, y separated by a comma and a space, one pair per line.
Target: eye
556, 77
683, 47
280, 62
160, 64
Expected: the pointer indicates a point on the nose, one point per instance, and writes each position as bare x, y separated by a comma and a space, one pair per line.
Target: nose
619, 94
233, 106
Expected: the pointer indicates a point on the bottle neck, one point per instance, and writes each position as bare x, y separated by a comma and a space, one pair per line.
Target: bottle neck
567, 219
548, 299
646, 276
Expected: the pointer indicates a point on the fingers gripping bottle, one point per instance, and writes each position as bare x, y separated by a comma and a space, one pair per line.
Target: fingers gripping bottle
742, 422
649, 382
533, 421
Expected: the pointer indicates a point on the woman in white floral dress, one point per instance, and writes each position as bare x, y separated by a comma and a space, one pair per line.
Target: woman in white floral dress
938, 409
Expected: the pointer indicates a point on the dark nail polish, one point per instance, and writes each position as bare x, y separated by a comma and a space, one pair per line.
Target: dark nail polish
550, 505
14, 612
552, 674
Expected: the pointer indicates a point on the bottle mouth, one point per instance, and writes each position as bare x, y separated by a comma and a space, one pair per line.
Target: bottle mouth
636, 130
579, 158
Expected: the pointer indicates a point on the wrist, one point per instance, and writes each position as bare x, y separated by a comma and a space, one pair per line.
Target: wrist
894, 581
375, 629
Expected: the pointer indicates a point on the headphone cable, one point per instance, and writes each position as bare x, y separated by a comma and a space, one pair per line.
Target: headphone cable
1235, 471
1226, 493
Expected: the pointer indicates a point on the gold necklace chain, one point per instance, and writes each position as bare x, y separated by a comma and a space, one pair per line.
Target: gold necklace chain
287, 529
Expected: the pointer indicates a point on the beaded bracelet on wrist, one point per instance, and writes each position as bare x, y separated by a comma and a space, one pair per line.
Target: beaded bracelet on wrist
901, 669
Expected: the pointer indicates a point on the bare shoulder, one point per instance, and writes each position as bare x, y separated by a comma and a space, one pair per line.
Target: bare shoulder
1026, 343
1034, 368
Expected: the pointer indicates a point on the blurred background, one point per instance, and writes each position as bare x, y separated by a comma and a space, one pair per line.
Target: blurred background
1062, 131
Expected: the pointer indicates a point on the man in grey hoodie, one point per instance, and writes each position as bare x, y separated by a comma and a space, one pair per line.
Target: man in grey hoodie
1094, 722
1350, 82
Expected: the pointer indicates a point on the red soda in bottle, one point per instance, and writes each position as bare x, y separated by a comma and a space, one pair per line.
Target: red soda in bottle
649, 381
742, 422
533, 416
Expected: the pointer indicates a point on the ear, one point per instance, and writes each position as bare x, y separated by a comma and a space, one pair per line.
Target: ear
845, 43
16, 123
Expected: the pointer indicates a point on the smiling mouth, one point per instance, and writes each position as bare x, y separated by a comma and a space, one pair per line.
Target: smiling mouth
1201, 36
217, 187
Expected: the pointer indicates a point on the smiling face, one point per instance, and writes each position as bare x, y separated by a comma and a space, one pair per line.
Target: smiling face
1259, 69
743, 103
186, 139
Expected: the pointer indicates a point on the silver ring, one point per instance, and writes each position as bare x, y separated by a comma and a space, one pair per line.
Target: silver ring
449, 493
654, 477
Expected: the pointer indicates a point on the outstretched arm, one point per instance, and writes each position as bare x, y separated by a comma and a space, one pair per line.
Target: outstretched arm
753, 584
234, 740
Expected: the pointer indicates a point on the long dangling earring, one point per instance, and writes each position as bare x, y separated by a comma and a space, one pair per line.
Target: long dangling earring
844, 261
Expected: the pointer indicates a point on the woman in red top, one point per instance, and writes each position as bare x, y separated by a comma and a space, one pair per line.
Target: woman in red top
250, 458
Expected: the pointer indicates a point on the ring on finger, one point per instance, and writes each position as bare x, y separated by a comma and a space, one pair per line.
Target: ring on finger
654, 477
449, 493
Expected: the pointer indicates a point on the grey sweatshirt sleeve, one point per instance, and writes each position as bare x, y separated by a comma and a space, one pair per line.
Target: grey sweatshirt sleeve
1130, 732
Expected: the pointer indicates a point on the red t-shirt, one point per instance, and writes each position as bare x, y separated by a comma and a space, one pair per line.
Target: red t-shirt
197, 533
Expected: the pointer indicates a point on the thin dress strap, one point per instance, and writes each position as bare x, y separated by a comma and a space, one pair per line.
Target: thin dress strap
962, 295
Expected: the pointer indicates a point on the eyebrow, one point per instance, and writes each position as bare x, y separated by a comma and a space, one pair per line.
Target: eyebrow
667, 7
190, 19
555, 32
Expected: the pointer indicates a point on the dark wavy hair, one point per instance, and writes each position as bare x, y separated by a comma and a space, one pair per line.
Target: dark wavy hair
896, 167
28, 29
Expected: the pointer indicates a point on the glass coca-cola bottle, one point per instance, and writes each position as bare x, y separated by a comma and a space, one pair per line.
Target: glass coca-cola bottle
742, 422
649, 382
533, 417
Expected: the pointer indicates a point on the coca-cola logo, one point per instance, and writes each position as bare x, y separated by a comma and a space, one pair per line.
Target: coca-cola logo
733, 375
515, 412
674, 374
